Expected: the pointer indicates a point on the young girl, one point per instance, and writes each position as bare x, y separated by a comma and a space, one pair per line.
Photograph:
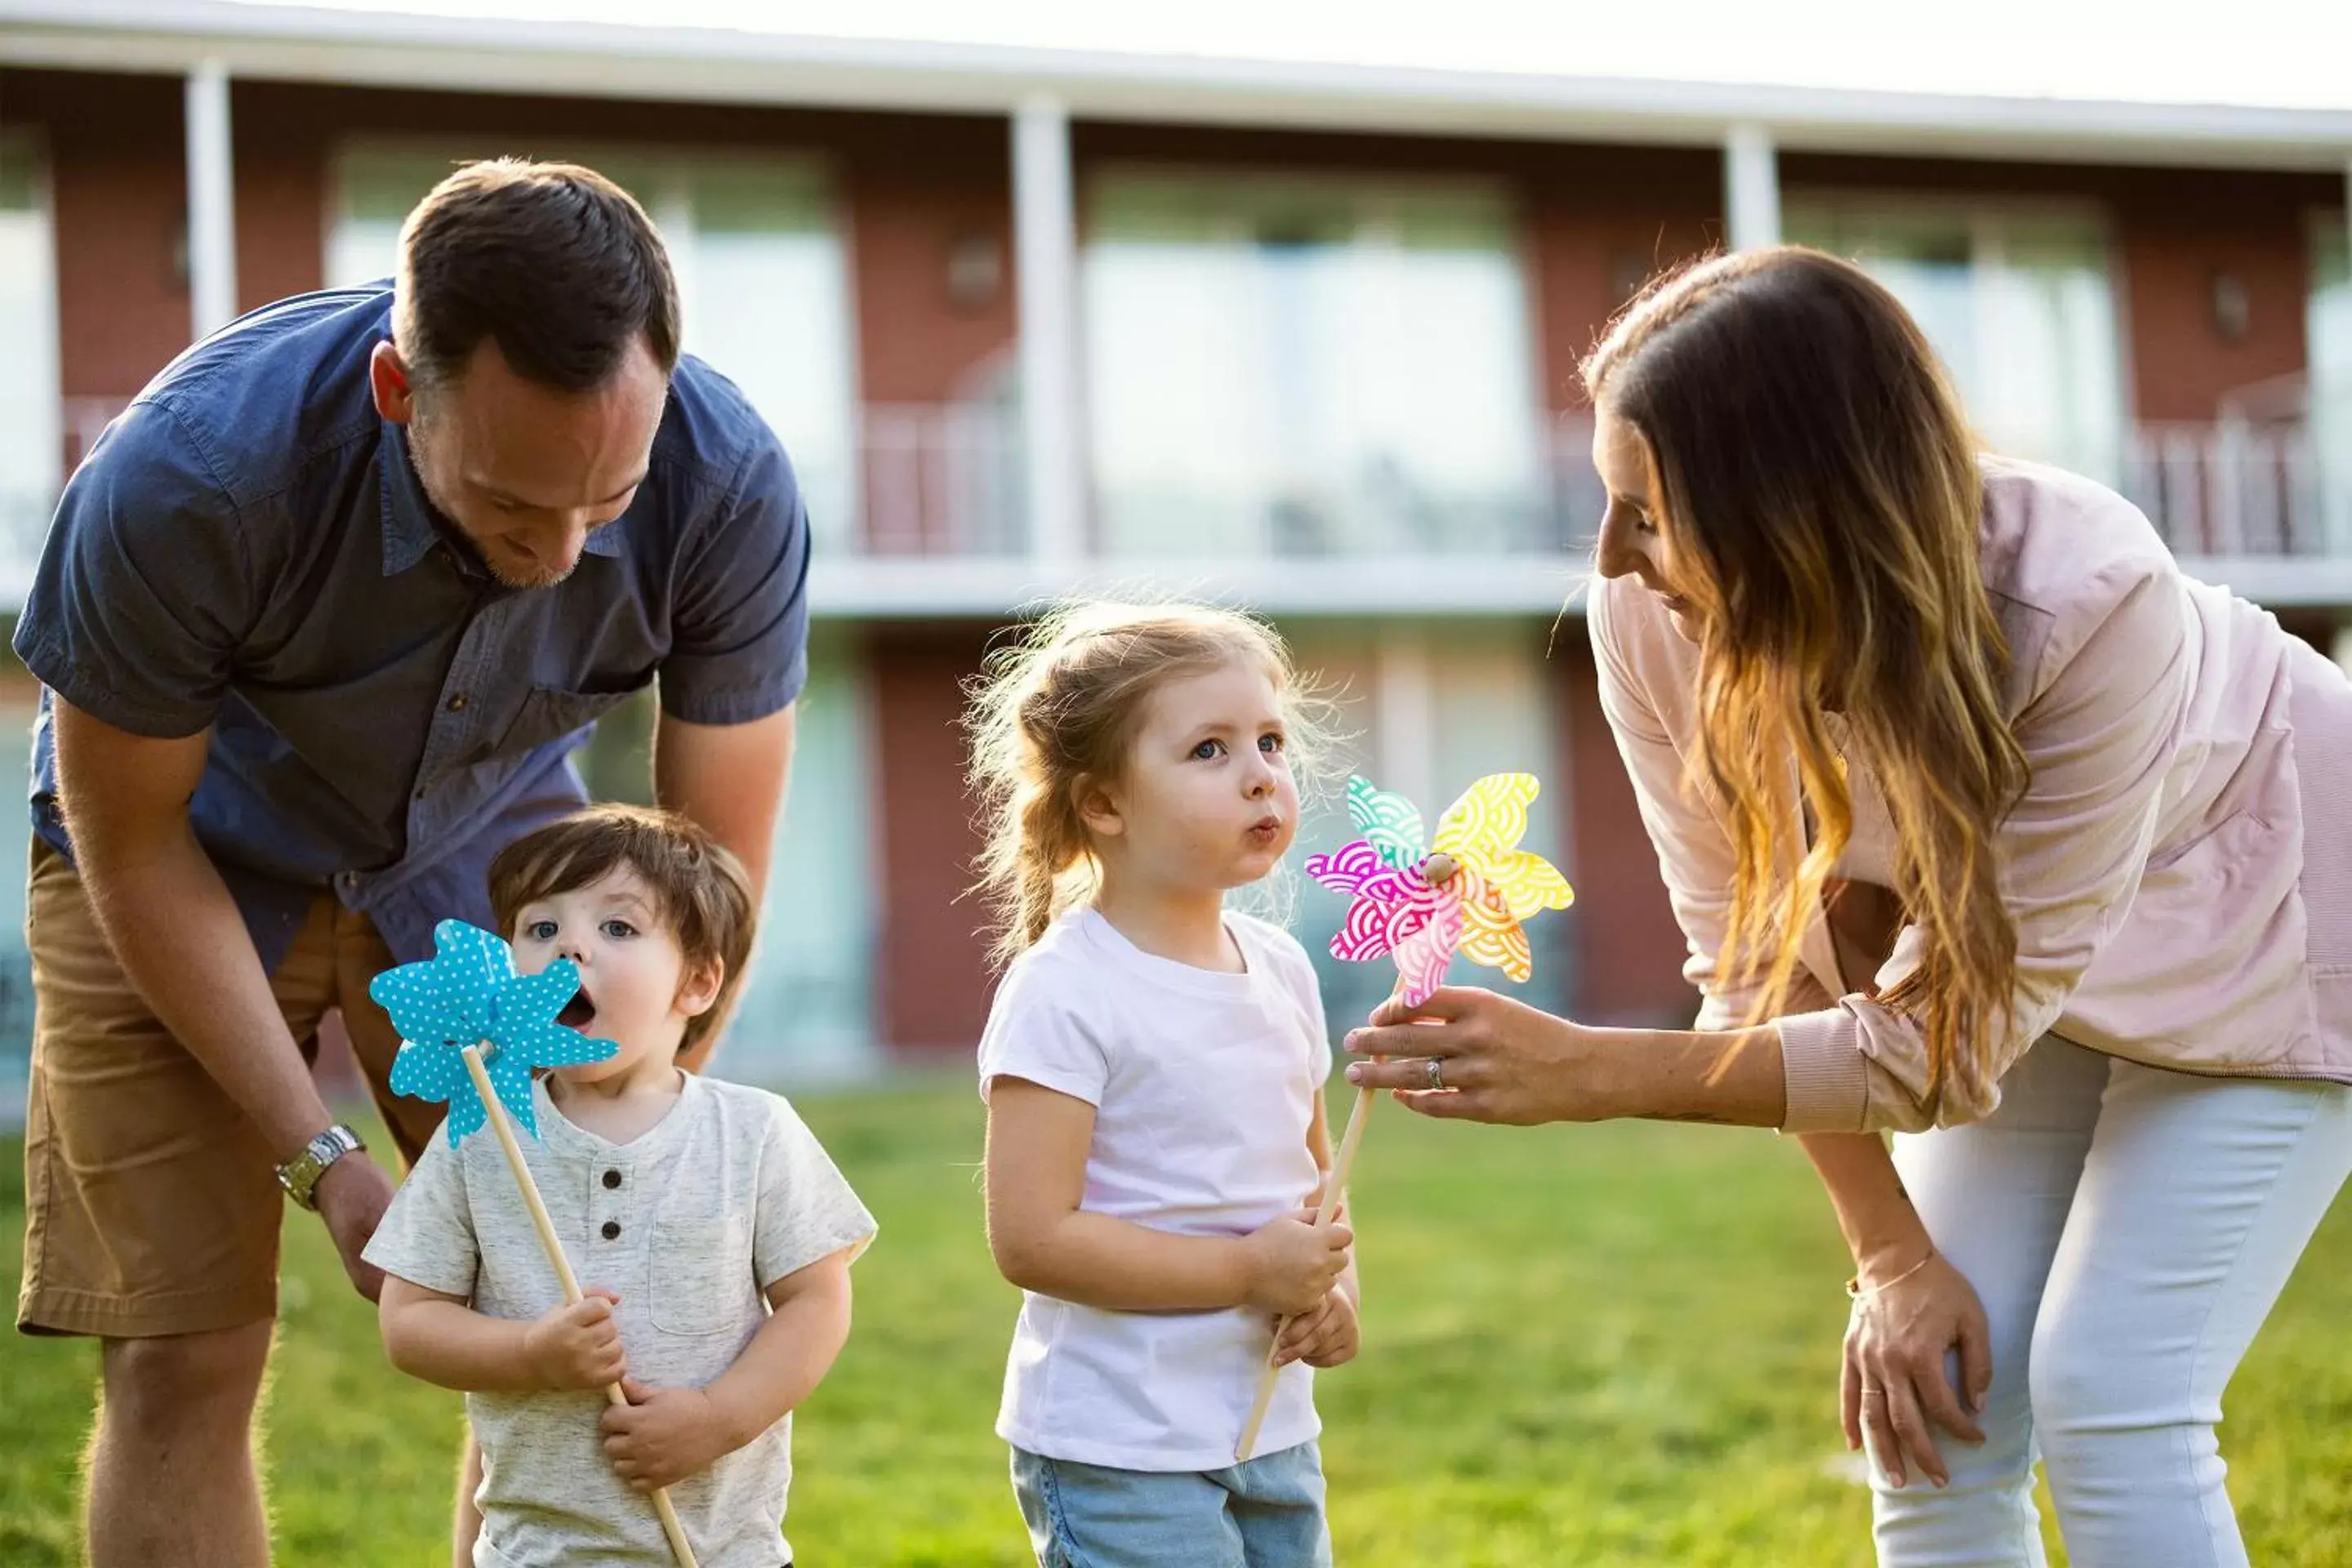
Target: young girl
1153, 1072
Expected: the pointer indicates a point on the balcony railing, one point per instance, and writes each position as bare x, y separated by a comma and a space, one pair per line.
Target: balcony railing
942, 480
2263, 505
2234, 489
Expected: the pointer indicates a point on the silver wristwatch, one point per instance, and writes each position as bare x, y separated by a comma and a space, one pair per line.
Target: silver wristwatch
300, 1176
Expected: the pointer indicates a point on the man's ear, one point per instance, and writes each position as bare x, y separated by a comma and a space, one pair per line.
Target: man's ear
698, 988
395, 399
1097, 805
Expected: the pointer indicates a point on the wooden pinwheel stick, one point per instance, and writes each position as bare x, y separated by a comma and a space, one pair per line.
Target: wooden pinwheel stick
678, 1546
1438, 870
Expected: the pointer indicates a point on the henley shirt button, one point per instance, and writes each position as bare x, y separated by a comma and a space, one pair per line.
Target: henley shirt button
458, 703
612, 1226
612, 1178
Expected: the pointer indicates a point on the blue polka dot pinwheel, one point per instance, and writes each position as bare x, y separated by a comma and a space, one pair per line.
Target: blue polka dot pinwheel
471, 1029
471, 1032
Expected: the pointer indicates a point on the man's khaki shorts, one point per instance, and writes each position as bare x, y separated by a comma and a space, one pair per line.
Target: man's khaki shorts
151, 1204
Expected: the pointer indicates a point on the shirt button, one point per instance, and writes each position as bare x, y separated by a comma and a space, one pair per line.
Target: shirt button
611, 1228
612, 1178
458, 703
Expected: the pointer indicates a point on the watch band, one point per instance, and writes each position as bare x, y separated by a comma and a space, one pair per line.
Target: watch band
300, 1176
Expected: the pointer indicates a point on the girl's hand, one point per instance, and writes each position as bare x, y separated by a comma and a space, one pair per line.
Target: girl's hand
1292, 1265
1328, 1336
663, 1434
1893, 1383
1498, 1061
578, 1346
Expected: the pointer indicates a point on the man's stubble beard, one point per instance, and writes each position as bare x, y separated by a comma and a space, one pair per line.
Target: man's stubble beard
421, 432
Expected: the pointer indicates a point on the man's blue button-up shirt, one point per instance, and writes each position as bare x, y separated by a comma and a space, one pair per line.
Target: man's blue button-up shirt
247, 548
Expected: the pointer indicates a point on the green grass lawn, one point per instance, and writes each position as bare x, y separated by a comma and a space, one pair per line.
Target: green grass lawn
1613, 1345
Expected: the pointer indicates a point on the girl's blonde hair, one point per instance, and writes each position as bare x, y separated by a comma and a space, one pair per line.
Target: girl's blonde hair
1820, 488
1055, 711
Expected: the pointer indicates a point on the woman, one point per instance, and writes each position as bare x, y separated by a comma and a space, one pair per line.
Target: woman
1987, 828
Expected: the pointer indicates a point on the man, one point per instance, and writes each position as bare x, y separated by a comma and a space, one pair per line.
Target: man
320, 622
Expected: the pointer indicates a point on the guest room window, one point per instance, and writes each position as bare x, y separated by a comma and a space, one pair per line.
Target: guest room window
1295, 366
32, 438
2020, 303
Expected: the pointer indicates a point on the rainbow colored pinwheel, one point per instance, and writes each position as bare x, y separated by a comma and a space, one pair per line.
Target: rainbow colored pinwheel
1465, 890
1400, 911
469, 993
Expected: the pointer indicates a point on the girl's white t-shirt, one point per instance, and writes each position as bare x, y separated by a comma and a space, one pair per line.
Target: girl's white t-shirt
1203, 1087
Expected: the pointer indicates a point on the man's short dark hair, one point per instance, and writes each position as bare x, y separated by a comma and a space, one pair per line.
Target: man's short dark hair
554, 263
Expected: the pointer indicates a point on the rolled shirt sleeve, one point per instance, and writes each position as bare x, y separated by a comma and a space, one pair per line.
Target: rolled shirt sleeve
144, 592
740, 650
2099, 740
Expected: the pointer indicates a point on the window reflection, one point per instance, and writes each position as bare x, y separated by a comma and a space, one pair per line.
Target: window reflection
1281, 368
32, 441
2330, 332
2019, 305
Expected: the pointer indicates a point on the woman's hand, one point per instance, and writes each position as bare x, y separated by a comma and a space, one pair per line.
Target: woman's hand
1471, 1054
1497, 1060
1893, 1383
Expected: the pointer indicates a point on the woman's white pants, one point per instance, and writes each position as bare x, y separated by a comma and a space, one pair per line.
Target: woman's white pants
2127, 1230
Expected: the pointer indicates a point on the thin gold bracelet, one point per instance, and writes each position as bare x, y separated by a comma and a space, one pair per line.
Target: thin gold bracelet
1855, 1290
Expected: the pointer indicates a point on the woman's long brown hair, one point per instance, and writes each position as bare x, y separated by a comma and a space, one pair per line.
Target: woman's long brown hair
1819, 490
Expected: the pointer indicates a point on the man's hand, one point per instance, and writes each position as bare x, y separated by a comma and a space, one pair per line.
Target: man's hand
1328, 1336
664, 1435
352, 1195
578, 1346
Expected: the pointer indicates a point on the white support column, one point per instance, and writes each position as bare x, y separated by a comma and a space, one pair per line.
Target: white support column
1751, 188
1046, 248
212, 201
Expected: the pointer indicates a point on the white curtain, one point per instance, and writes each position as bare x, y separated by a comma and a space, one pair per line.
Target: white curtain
1278, 367
2329, 333
2019, 304
806, 1013
32, 438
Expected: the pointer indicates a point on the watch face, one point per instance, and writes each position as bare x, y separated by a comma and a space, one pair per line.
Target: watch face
299, 1175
